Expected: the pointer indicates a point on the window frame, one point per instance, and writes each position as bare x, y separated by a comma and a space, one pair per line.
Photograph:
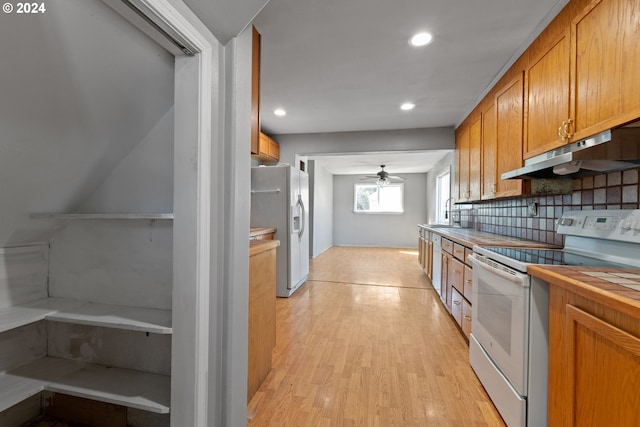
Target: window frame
373, 184
440, 201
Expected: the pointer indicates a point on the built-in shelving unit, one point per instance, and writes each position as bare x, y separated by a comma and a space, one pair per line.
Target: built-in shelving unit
134, 389
142, 319
66, 216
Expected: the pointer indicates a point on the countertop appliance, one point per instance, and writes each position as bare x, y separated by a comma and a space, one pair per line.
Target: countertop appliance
508, 348
279, 198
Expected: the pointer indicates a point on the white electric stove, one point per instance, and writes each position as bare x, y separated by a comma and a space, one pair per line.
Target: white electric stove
509, 338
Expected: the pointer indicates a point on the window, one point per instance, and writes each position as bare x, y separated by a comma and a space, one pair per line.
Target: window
373, 198
443, 193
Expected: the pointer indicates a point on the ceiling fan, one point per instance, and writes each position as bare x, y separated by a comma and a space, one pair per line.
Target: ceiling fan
383, 177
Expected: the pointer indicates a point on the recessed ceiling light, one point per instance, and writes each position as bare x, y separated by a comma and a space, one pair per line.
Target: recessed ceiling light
420, 39
279, 112
407, 106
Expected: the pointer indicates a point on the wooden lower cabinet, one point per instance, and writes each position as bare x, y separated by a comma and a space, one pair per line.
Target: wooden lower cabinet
466, 318
262, 311
456, 306
594, 363
445, 292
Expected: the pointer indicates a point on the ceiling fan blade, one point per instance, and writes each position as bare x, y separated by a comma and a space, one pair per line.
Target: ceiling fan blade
397, 177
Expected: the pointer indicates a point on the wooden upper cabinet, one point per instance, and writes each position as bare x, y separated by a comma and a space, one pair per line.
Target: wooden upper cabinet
509, 121
468, 141
268, 150
462, 164
547, 99
489, 153
475, 139
605, 46
255, 91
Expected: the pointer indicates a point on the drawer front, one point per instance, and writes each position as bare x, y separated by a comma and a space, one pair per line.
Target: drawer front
458, 251
447, 246
456, 275
466, 318
467, 287
467, 252
456, 306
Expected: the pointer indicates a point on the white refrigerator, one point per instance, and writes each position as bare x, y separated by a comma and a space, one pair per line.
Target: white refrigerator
280, 198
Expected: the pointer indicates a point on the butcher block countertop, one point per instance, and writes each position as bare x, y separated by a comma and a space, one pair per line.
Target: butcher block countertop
469, 237
259, 231
617, 288
258, 246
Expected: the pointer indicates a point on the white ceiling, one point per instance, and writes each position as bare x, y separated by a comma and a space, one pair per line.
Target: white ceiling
369, 164
346, 65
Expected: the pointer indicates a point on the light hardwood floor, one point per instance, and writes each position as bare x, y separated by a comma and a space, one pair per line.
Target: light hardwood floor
353, 354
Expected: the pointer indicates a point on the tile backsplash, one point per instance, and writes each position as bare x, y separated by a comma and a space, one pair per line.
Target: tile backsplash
511, 217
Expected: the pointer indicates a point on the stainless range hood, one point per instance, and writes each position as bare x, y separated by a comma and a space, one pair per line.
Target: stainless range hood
609, 151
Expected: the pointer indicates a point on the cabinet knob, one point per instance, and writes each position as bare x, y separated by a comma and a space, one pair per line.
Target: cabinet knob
469, 280
467, 317
456, 302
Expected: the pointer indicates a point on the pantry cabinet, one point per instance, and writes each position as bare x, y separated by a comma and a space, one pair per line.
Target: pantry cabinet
547, 99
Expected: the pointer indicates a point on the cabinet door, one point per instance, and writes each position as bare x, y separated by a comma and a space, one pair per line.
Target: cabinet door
605, 47
429, 266
509, 107
255, 91
456, 306
547, 93
602, 372
445, 292
489, 153
475, 137
462, 165
274, 150
468, 282
466, 318
456, 274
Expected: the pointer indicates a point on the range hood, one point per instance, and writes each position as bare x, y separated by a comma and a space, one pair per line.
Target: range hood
612, 150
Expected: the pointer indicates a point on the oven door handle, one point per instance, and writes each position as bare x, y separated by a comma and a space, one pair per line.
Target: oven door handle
517, 278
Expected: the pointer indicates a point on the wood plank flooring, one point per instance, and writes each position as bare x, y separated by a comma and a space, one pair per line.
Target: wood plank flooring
351, 354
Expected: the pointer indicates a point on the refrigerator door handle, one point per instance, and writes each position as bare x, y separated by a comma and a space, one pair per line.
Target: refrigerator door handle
303, 221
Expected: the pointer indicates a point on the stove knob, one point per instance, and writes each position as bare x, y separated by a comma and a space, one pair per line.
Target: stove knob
627, 225
566, 221
636, 226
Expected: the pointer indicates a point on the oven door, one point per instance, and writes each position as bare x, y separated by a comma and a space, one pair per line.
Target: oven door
500, 318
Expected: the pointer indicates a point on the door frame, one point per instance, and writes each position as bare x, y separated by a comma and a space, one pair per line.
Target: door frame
209, 340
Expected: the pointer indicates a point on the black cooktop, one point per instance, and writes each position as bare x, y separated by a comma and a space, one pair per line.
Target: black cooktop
551, 257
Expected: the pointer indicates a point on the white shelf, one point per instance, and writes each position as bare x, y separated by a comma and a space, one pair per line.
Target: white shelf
134, 389
151, 320
168, 216
116, 316
23, 314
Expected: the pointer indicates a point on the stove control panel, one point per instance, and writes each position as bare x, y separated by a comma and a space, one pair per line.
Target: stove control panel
614, 224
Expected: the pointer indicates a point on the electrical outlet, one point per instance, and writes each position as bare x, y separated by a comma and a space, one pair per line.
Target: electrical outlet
532, 209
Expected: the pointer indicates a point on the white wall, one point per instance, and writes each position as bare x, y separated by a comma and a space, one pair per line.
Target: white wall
322, 210
385, 230
365, 141
143, 181
446, 163
81, 87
